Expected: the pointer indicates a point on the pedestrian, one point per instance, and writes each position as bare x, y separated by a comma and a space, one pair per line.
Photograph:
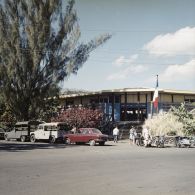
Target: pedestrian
146, 136
73, 130
132, 135
116, 134
138, 139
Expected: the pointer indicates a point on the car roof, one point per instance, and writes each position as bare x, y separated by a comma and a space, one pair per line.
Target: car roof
53, 123
28, 122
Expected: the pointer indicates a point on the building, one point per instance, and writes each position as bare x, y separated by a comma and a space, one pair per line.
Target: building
130, 104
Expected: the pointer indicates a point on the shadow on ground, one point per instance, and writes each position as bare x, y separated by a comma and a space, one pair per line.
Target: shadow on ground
17, 147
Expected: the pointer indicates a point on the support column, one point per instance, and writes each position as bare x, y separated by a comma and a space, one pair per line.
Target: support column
147, 105
113, 107
81, 100
125, 108
138, 99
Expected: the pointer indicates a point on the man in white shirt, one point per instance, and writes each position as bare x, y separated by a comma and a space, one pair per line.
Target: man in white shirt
116, 134
73, 130
132, 132
146, 136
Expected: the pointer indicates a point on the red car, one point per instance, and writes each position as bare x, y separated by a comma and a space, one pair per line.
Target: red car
87, 135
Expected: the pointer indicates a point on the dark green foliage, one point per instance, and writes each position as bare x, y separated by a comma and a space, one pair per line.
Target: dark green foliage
50, 109
39, 48
186, 118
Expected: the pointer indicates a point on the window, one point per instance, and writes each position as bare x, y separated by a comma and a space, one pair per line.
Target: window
117, 99
189, 100
86, 131
21, 127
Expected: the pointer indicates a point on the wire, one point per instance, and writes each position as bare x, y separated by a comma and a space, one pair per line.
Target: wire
135, 63
112, 51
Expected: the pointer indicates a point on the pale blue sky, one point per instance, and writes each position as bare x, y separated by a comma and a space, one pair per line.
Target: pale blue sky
149, 37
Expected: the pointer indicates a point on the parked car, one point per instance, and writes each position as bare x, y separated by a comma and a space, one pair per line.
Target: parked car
51, 132
183, 142
2, 133
87, 135
21, 130
192, 141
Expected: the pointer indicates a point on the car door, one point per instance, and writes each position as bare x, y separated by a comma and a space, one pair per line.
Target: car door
18, 132
39, 132
47, 131
11, 134
86, 135
77, 137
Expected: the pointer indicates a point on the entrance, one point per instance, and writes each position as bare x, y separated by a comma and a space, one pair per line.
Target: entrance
133, 112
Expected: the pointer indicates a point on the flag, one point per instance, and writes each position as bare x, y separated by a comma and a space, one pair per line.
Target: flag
155, 97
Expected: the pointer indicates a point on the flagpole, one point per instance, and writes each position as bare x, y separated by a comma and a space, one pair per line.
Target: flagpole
157, 87
157, 80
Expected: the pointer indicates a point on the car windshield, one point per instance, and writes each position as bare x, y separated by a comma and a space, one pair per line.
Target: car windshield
96, 131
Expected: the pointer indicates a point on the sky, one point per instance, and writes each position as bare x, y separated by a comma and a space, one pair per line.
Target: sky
149, 38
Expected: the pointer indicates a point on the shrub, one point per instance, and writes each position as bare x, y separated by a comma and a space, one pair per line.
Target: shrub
80, 117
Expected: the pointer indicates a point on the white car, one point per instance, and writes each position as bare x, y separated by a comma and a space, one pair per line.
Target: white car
50, 132
183, 142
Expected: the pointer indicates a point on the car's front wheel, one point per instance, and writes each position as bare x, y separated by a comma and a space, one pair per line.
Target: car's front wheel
32, 138
67, 141
92, 142
22, 138
179, 145
6, 138
52, 139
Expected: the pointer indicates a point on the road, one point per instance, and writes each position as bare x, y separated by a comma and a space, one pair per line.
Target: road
41, 168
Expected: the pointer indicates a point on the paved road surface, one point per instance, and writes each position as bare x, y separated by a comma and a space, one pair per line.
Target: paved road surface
40, 168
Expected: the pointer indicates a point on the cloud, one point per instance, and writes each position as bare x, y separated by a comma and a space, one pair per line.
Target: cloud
125, 73
125, 61
179, 72
127, 66
171, 44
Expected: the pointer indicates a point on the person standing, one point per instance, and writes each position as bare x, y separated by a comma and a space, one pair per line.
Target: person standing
116, 134
132, 134
146, 136
73, 130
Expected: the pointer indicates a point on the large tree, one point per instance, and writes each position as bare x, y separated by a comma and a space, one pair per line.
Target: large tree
39, 48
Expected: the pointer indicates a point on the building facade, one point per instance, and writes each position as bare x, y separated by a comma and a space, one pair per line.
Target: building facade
130, 104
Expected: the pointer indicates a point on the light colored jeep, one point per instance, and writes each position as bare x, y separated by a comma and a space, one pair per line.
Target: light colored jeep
22, 130
50, 132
